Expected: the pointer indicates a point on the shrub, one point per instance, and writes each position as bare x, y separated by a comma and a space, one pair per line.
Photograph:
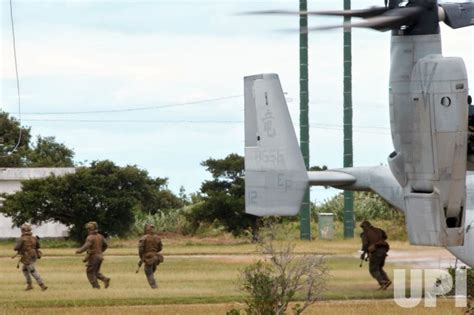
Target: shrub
272, 283
172, 221
470, 280
367, 206
259, 281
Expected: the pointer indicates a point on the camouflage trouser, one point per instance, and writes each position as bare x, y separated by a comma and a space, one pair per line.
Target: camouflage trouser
30, 270
93, 271
376, 263
149, 272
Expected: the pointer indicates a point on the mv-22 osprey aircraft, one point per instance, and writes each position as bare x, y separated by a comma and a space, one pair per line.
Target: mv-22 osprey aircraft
428, 174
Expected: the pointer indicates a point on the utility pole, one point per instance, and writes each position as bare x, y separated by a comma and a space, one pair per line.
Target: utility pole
305, 211
348, 156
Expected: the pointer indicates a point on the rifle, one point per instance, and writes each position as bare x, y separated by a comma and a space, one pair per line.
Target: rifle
362, 258
86, 257
18, 263
140, 263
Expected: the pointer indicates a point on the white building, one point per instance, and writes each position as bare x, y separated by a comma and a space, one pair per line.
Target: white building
10, 182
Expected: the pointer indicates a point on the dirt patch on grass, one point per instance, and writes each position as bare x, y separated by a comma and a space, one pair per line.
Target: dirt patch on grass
429, 257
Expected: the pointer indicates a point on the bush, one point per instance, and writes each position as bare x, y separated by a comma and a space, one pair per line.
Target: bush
367, 206
469, 287
171, 221
290, 229
470, 280
259, 281
271, 284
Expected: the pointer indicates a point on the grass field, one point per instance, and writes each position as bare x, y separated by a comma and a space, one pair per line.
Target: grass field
199, 276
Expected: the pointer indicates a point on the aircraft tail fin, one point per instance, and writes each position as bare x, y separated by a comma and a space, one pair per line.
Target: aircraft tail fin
275, 175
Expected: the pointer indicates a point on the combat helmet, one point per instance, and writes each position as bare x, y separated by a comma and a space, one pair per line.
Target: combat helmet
25, 227
365, 224
92, 226
149, 228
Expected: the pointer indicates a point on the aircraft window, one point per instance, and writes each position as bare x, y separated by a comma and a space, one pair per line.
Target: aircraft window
446, 101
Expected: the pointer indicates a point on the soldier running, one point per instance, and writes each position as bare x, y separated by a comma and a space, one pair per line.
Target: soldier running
374, 245
27, 248
149, 247
95, 245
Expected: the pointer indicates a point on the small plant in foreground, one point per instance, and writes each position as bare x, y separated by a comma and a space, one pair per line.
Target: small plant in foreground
272, 283
233, 312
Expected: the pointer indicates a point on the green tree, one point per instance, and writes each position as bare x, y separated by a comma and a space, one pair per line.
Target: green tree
318, 168
367, 206
46, 152
9, 138
103, 192
223, 197
183, 196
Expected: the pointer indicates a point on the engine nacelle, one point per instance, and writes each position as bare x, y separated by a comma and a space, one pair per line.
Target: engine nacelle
431, 145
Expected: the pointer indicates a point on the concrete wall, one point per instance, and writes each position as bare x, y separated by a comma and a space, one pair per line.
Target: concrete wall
10, 182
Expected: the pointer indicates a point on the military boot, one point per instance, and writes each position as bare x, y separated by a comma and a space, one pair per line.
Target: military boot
29, 287
386, 285
43, 287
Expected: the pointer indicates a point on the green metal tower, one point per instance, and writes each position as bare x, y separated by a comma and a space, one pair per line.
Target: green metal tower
305, 211
348, 156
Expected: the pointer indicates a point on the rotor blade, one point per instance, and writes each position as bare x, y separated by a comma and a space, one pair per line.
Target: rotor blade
390, 20
458, 15
381, 23
361, 13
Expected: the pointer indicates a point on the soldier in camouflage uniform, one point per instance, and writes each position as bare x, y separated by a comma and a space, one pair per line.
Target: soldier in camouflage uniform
28, 249
149, 247
95, 245
374, 245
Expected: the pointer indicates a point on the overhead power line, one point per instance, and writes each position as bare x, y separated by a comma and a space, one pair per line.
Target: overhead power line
360, 129
139, 121
17, 80
146, 108
134, 109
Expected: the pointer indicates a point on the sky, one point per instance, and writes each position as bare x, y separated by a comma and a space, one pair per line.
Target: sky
159, 84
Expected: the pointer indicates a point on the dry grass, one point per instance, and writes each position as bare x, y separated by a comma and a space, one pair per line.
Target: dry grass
201, 246
179, 279
386, 307
207, 246
196, 278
